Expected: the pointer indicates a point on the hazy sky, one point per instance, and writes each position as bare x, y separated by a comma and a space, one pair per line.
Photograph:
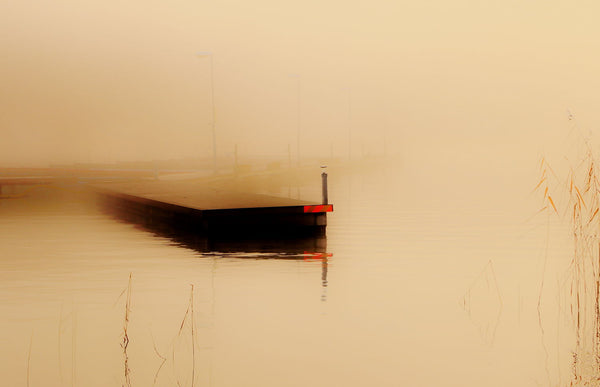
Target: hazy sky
103, 80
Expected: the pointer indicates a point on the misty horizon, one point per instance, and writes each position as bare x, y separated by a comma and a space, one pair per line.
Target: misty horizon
100, 82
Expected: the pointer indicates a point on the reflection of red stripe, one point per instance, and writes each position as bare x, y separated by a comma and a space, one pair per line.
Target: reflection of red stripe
317, 256
319, 208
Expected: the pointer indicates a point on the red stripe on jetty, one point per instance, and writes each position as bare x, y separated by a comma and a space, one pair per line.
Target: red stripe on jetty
319, 208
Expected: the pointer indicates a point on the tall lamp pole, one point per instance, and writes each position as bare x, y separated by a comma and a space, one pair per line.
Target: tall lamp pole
349, 113
209, 55
298, 116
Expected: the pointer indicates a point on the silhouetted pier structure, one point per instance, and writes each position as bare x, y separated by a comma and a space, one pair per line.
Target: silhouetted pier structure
192, 206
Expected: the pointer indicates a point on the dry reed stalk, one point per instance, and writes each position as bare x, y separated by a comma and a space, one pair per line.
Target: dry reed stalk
73, 344
193, 335
29, 357
63, 317
582, 191
60, 322
189, 314
125, 339
164, 359
485, 285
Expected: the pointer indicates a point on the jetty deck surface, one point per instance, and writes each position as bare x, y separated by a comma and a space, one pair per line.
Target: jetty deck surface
216, 207
197, 194
213, 209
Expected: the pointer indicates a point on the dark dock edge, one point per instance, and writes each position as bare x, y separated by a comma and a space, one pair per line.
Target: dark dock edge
239, 224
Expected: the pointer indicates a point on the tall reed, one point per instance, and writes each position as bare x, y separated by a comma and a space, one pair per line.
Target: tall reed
125, 337
580, 204
188, 318
186, 326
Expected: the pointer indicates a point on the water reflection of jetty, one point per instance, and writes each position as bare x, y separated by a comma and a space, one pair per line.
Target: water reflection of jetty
213, 213
207, 206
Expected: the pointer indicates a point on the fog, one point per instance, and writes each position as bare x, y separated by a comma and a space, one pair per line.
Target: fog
105, 81
427, 252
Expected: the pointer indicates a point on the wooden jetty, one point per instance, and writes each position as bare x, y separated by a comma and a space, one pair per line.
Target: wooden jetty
223, 207
197, 207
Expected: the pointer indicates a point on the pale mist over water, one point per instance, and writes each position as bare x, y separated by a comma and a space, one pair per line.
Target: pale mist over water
409, 289
434, 118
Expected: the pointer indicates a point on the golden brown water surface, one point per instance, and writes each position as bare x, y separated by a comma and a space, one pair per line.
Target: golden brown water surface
416, 289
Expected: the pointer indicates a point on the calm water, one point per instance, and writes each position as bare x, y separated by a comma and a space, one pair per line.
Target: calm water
420, 287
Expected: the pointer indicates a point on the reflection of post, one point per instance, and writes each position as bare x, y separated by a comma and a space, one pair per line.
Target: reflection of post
324, 277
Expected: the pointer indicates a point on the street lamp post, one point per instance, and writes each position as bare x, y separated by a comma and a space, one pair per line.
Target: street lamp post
298, 116
209, 55
349, 115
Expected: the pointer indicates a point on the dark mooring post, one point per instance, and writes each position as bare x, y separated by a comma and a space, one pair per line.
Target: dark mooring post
324, 184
